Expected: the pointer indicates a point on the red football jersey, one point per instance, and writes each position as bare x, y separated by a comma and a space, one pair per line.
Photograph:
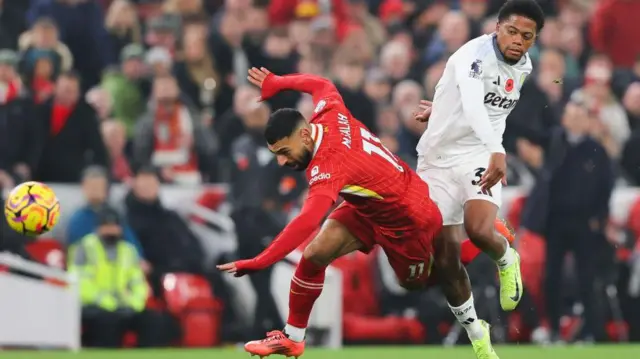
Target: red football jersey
349, 161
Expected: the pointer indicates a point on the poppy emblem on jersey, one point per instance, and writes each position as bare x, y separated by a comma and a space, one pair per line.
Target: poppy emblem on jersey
508, 85
476, 69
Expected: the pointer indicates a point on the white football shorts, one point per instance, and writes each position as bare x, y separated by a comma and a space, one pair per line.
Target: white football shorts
451, 187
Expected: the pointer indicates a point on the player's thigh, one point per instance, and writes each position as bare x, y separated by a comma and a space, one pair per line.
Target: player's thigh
445, 192
411, 257
480, 206
336, 238
469, 176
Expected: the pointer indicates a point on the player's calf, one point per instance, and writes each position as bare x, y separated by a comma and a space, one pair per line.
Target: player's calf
332, 242
480, 224
454, 280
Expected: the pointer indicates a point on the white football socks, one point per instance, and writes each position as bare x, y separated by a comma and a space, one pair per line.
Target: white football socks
466, 315
295, 334
508, 258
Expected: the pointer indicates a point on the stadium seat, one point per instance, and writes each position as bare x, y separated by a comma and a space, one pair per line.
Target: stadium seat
515, 212
48, 251
532, 248
212, 198
190, 299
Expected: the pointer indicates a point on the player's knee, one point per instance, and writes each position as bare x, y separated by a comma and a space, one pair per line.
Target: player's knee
317, 255
480, 229
446, 251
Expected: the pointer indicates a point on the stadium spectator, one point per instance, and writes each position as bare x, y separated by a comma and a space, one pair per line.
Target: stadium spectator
18, 156
95, 186
12, 24
112, 306
81, 26
114, 134
159, 60
452, 33
250, 155
197, 76
573, 218
121, 21
171, 136
168, 243
612, 124
69, 134
100, 100
230, 124
615, 31
350, 78
43, 41
163, 31
128, 86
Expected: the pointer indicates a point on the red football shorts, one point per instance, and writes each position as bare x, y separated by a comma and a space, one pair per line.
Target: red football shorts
410, 256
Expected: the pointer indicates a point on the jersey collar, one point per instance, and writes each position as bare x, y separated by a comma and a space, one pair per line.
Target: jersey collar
317, 132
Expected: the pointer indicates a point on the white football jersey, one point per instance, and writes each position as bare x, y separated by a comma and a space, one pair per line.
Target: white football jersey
473, 98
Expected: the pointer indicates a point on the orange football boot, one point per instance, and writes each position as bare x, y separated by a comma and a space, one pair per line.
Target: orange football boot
276, 342
504, 228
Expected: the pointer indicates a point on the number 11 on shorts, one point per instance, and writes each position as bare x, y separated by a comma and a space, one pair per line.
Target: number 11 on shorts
416, 271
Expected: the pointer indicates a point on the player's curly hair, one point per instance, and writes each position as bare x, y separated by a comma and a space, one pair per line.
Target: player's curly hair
281, 124
527, 8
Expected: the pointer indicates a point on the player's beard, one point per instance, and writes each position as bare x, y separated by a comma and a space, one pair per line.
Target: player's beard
303, 163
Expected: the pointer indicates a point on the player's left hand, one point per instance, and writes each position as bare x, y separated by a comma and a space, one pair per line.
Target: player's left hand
496, 172
423, 112
257, 76
239, 268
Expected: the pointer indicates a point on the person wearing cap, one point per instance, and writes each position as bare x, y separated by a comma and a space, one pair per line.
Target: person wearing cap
571, 217
127, 86
113, 288
163, 31
18, 156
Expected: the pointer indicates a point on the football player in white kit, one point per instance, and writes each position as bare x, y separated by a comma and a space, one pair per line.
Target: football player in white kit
461, 157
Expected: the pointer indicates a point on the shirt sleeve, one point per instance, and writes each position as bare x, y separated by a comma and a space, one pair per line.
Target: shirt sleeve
318, 87
296, 232
468, 75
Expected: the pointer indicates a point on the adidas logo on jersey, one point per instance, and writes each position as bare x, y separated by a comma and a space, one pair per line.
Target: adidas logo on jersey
320, 177
494, 100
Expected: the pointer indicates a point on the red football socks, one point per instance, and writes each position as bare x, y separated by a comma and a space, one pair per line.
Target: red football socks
306, 286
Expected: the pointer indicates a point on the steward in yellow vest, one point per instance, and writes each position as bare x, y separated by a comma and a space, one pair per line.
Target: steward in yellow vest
112, 285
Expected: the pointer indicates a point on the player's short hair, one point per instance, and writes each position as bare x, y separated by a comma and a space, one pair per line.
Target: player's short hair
281, 124
527, 8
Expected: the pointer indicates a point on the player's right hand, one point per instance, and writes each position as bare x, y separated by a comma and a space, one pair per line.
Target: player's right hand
258, 77
496, 172
239, 268
423, 112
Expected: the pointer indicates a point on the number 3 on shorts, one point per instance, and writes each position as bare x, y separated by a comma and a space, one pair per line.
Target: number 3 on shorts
478, 172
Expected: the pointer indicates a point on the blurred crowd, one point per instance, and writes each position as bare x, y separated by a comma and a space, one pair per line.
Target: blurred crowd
144, 92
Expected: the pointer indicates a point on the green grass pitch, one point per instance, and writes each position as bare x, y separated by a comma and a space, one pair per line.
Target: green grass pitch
433, 352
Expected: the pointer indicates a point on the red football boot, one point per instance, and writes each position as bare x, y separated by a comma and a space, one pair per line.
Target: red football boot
276, 342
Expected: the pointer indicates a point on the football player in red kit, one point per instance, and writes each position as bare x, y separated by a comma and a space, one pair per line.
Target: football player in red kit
385, 202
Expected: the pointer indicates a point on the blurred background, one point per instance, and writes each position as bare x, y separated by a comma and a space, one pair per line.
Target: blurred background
139, 115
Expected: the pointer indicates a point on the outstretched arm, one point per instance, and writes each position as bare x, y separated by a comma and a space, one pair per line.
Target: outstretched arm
271, 84
296, 232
